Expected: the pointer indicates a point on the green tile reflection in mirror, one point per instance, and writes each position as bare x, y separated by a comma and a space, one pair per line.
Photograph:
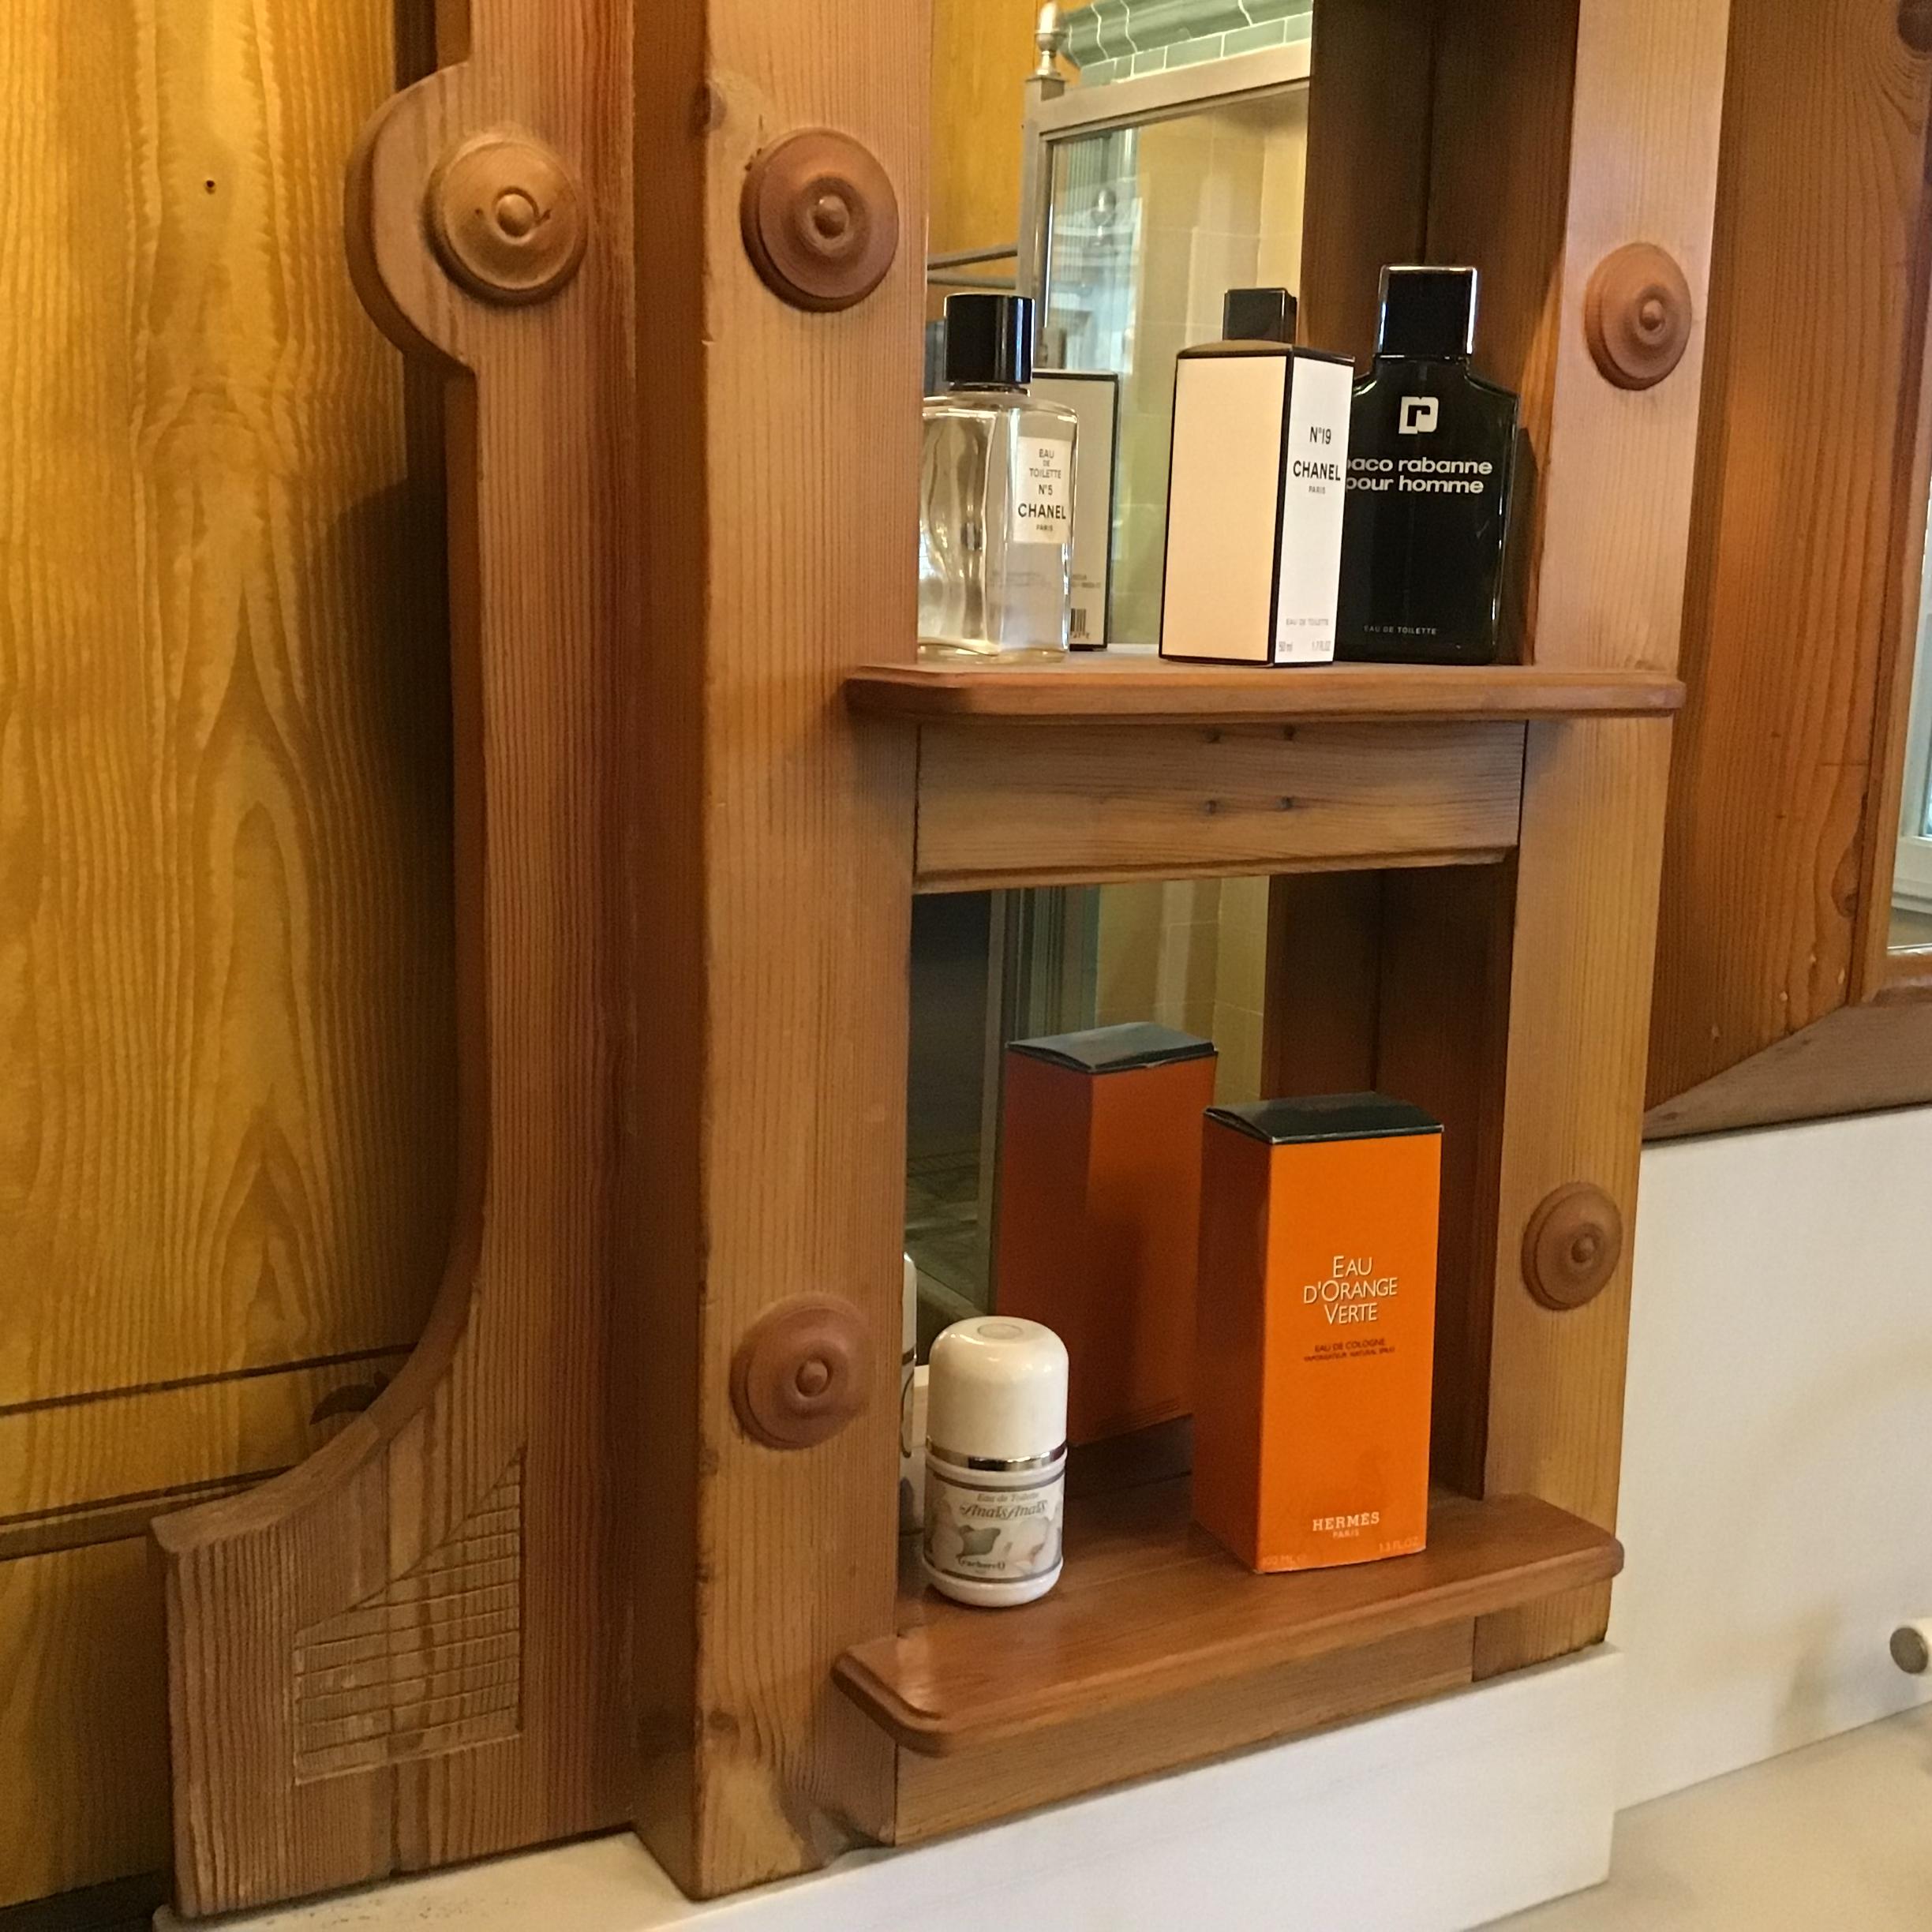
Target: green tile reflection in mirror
1120, 39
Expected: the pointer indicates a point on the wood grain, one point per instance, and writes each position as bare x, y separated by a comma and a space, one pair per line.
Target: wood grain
1034, 804
1366, 192
981, 53
226, 1041
82, 1730
1614, 521
1619, 105
1850, 1061
95, 1470
1130, 682
1159, 1608
769, 848
1579, 993
1446, 940
1324, 983
516, 1366
1804, 571
938, 1794
224, 916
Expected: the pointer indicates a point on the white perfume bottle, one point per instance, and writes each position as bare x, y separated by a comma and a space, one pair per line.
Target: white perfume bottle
996, 493
995, 1460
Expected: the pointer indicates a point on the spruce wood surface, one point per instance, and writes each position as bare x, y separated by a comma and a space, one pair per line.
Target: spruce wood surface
226, 958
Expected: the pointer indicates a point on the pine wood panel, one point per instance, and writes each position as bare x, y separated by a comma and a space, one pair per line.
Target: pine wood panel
938, 1794
770, 852
981, 52
91, 1472
1034, 803
83, 1731
224, 836
1804, 569
482, 1477
1151, 1606
225, 918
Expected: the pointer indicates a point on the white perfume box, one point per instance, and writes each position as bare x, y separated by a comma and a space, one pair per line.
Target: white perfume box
1094, 397
1256, 485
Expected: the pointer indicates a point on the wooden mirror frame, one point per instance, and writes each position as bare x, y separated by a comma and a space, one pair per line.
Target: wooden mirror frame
1778, 997
551, 1582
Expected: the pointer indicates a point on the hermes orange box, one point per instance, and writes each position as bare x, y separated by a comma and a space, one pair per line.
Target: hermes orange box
1099, 1213
1316, 1329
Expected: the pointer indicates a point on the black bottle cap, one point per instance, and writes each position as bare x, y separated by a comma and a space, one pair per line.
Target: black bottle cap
989, 341
1258, 315
1427, 312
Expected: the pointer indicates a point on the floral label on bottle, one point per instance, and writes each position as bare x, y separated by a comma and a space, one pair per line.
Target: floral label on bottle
993, 1536
1042, 497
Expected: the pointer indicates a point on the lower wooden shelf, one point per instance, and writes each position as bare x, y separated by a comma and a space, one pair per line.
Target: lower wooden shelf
1150, 1606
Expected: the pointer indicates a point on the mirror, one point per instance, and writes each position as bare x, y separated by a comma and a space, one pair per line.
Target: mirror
1147, 225
1132, 205
1188, 954
1911, 878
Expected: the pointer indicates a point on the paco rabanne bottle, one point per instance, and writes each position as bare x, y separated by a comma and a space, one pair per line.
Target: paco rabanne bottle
1430, 447
996, 493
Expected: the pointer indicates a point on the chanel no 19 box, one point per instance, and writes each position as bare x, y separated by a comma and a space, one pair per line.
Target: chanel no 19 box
1316, 1329
1257, 484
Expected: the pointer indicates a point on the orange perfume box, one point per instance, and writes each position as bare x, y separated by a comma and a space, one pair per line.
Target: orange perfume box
1316, 1329
1099, 1213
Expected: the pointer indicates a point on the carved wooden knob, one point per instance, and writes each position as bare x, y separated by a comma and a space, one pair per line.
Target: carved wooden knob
507, 218
1637, 315
820, 220
802, 1371
1572, 1245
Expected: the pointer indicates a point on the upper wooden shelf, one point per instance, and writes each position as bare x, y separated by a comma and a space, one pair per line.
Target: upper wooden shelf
1132, 685
1149, 1604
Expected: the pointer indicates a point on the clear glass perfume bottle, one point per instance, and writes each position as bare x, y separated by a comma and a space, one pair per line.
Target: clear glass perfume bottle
996, 493
1431, 449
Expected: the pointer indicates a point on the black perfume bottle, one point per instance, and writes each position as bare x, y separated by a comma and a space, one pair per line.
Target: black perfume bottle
1430, 449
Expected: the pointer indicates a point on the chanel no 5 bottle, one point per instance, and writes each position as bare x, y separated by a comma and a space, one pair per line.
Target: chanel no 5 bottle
1430, 450
996, 493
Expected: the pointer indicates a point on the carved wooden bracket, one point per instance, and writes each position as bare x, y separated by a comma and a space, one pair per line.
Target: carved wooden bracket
802, 1373
411, 1634
1637, 315
820, 219
1572, 1245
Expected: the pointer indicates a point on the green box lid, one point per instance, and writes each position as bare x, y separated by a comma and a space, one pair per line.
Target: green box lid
1115, 1049
1326, 1116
